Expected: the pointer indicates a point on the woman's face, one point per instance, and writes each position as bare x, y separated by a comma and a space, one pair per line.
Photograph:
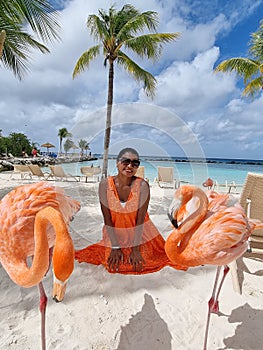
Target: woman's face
128, 164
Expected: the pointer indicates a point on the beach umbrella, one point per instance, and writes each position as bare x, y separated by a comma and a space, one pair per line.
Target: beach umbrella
48, 145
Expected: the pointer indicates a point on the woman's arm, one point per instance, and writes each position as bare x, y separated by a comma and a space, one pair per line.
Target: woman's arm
142, 210
136, 258
116, 254
106, 213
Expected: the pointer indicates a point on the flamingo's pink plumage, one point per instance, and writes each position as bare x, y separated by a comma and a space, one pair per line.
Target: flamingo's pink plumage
210, 231
33, 219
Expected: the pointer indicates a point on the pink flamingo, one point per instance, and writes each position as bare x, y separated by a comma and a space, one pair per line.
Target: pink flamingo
211, 232
34, 218
208, 183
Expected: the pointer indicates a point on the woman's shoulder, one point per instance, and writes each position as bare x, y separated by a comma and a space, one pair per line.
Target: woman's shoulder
104, 183
142, 184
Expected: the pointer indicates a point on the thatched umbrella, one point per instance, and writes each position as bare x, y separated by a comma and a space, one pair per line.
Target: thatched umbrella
48, 145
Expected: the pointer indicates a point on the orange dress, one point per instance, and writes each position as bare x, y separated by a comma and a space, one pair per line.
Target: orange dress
124, 221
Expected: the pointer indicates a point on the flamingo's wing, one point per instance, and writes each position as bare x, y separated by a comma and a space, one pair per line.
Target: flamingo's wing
219, 201
19, 208
222, 234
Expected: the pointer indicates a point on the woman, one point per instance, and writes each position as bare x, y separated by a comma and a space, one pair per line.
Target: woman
131, 243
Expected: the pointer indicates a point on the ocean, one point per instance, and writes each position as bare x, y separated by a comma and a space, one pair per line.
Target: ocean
195, 171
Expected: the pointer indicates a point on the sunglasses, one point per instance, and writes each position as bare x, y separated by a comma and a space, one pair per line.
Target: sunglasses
126, 161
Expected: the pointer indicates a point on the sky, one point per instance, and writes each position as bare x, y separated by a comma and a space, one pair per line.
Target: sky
195, 112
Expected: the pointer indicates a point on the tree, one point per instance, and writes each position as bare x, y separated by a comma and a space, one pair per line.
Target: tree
251, 69
68, 145
87, 148
16, 142
63, 133
15, 43
117, 30
83, 144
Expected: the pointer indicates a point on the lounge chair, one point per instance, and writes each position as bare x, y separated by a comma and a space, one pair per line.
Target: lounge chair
90, 172
58, 172
251, 201
22, 170
140, 172
228, 187
37, 171
165, 177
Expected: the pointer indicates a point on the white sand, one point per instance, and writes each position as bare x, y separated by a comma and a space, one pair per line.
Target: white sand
160, 311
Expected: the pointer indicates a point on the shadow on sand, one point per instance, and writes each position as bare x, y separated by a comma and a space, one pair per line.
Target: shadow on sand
247, 335
146, 330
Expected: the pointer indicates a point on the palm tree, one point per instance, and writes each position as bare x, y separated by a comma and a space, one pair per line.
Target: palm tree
116, 30
68, 144
15, 43
62, 134
83, 144
251, 69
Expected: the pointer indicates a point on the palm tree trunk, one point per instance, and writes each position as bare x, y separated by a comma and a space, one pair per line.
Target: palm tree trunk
108, 121
2, 41
60, 145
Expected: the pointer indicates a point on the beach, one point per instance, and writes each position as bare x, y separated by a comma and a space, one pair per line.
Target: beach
165, 310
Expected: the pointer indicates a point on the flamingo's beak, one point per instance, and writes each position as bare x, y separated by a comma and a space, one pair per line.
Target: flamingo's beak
173, 210
59, 290
173, 220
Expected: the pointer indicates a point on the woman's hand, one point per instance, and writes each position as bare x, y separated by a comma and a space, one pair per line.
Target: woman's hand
136, 259
116, 256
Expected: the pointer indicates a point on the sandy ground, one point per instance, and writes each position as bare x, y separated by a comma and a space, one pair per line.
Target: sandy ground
159, 311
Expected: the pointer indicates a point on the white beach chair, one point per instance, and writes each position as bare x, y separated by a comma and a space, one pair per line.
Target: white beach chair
58, 172
165, 177
37, 171
141, 173
22, 170
251, 201
91, 172
227, 187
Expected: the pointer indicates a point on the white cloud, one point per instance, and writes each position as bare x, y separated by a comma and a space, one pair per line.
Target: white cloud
192, 89
208, 105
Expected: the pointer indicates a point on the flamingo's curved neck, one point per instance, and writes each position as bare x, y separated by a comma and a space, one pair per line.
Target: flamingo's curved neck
26, 276
194, 219
192, 222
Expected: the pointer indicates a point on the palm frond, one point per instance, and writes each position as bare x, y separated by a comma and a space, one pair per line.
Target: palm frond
138, 74
97, 27
40, 15
146, 20
256, 48
245, 67
17, 49
253, 87
121, 18
14, 15
85, 59
150, 45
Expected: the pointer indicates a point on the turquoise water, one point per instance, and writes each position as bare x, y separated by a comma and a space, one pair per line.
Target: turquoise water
193, 172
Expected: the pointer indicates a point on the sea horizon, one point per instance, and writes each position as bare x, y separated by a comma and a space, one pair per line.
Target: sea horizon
190, 159
186, 170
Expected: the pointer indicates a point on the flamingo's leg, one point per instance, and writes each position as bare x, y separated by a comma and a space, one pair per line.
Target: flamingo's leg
211, 306
225, 272
42, 308
213, 302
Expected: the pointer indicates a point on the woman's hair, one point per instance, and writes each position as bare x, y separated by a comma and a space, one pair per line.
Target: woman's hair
127, 150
